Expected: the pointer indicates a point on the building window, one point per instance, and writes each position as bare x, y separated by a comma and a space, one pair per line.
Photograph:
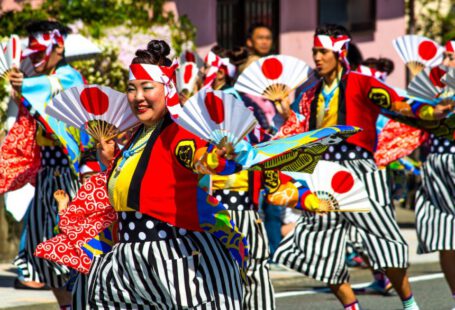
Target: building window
234, 17
355, 15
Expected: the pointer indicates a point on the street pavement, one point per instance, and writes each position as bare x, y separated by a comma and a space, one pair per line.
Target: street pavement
293, 290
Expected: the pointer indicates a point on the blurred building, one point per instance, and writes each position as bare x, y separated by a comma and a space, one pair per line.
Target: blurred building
373, 23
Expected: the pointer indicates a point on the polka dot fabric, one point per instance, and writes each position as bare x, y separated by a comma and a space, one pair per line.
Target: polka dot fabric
234, 200
345, 151
138, 227
53, 156
441, 146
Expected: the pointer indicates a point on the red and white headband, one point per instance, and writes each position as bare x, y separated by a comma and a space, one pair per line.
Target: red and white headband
338, 44
90, 166
161, 74
43, 42
217, 63
450, 46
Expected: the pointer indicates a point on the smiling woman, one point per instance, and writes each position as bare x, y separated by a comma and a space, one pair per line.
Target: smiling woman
166, 259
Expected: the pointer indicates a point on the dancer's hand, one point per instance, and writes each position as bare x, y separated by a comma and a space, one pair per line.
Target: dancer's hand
16, 78
106, 151
443, 108
62, 199
283, 107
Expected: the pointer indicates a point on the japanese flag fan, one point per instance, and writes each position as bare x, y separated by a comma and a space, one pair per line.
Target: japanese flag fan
336, 186
449, 80
418, 52
101, 111
187, 76
217, 117
427, 84
10, 55
273, 77
191, 56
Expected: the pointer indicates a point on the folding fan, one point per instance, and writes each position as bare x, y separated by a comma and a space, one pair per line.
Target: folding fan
191, 56
337, 186
418, 52
273, 77
217, 117
427, 84
449, 80
101, 111
187, 76
10, 55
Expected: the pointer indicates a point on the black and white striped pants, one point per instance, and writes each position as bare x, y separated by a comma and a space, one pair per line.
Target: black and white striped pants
258, 291
317, 245
40, 224
193, 271
80, 294
435, 204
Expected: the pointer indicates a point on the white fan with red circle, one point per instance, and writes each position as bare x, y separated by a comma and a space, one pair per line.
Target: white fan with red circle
10, 55
427, 84
273, 77
337, 186
191, 56
187, 76
217, 117
418, 52
100, 110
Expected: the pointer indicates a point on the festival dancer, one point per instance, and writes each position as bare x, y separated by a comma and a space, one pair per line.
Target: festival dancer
317, 245
435, 207
46, 51
156, 264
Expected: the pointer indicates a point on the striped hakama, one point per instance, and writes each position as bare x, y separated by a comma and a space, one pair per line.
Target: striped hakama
158, 266
41, 219
317, 245
258, 291
435, 207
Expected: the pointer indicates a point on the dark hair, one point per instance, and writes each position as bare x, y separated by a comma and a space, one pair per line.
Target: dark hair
238, 55
88, 156
381, 64
254, 26
385, 65
43, 26
332, 30
354, 56
220, 51
155, 54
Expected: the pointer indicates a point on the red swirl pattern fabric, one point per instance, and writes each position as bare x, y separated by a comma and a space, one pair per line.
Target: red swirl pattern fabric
19, 154
293, 126
87, 215
397, 140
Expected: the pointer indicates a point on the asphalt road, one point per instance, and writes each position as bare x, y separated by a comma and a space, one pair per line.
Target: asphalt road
429, 287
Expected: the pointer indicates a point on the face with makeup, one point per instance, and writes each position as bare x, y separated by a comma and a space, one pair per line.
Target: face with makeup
147, 100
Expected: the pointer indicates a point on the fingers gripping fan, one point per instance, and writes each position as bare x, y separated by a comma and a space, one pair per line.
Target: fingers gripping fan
99, 110
273, 77
217, 117
187, 76
10, 55
336, 186
418, 52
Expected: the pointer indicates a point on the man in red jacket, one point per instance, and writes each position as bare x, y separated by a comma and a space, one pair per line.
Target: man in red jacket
317, 245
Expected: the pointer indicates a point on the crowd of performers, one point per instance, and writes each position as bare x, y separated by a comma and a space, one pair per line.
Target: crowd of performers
124, 211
